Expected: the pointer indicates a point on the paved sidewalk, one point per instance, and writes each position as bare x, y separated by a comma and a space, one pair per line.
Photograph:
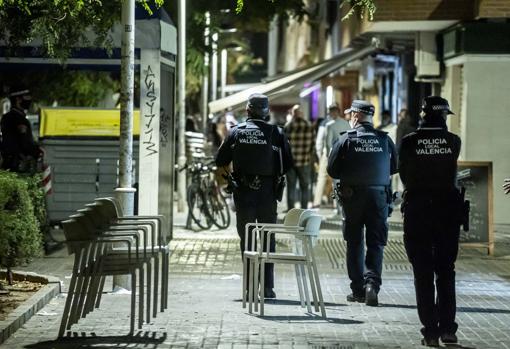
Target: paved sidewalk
205, 309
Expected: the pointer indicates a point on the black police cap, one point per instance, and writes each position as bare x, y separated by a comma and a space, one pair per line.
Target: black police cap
258, 104
361, 106
436, 105
19, 92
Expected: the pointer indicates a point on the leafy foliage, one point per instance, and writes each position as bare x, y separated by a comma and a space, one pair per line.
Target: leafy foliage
77, 88
360, 7
60, 24
20, 237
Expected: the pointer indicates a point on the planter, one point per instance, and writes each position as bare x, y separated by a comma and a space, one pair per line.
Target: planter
19, 316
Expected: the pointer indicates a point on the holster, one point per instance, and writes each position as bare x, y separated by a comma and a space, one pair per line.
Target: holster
343, 192
389, 200
232, 183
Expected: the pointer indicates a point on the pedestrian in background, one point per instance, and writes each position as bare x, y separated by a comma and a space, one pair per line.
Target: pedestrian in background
301, 136
334, 128
323, 187
363, 159
428, 169
259, 153
406, 125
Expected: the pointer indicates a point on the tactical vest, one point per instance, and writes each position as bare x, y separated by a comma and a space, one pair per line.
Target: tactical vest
367, 158
432, 159
253, 152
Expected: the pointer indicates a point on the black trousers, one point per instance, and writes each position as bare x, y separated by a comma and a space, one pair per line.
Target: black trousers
257, 205
431, 237
365, 216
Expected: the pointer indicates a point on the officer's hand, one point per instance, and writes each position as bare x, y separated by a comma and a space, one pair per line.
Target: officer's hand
506, 185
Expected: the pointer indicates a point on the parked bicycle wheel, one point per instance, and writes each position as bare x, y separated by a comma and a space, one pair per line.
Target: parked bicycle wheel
218, 208
198, 207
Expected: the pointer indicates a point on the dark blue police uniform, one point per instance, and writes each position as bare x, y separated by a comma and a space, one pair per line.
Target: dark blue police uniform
363, 159
254, 148
18, 144
428, 169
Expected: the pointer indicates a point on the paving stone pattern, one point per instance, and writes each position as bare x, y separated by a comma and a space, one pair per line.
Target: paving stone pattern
205, 309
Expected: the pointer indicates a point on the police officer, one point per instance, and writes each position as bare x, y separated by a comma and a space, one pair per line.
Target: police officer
363, 160
428, 169
18, 148
260, 153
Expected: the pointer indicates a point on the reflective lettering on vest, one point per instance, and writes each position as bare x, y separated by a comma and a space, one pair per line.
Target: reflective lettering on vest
433, 146
252, 136
370, 145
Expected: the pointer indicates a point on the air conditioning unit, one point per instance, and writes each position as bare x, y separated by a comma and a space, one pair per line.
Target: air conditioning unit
425, 57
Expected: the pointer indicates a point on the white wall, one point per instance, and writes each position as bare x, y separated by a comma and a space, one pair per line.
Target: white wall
485, 121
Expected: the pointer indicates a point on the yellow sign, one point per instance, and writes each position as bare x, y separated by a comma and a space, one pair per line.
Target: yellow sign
77, 122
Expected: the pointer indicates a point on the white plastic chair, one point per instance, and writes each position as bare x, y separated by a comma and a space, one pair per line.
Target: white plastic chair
303, 230
291, 221
303, 255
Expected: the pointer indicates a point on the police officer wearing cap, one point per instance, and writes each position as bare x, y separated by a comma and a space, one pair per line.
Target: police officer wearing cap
428, 169
363, 159
18, 147
260, 153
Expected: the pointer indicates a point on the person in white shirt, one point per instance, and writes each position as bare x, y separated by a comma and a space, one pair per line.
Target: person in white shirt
327, 134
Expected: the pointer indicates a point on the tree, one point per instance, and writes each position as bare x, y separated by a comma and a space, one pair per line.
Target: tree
360, 7
254, 16
60, 24
49, 85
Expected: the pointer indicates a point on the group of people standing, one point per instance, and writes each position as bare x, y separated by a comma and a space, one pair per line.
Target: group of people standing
361, 159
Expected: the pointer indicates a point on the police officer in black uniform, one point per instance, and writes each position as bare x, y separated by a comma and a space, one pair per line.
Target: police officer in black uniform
364, 159
260, 153
19, 150
428, 169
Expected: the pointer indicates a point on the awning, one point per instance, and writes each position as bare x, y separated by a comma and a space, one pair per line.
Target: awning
293, 80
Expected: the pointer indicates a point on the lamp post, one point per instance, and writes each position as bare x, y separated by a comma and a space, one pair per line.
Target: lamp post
205, 77
224, 65
125, 193
214, 66
224, 29
181, 71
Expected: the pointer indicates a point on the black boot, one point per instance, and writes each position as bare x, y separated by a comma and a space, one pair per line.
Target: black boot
371, 296
449, 338
356, 297
430, 341
269, 293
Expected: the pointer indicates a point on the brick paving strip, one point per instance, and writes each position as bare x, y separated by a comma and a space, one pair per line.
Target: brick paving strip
205, 309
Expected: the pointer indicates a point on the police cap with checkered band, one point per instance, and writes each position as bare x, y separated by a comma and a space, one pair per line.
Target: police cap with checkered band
361, 106
435, 105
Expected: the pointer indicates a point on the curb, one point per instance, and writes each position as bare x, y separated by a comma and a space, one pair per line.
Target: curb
31, 306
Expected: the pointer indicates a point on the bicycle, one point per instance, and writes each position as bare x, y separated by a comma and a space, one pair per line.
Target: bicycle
206, 203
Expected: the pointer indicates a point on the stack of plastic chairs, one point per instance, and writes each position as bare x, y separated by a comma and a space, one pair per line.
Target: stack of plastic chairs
105, 244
